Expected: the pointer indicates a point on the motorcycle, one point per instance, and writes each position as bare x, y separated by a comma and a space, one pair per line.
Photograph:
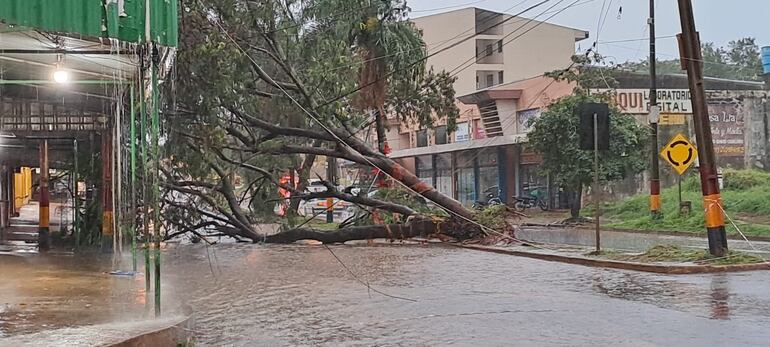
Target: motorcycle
535, 197
491, 198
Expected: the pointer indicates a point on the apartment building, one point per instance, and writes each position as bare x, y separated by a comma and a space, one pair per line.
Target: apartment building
499, 86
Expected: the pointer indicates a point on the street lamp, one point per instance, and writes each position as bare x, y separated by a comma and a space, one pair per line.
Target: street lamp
60, 75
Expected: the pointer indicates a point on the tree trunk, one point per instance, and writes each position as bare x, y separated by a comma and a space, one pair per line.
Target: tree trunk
303, 174
575, 204
380, 127
409, 179
388, 231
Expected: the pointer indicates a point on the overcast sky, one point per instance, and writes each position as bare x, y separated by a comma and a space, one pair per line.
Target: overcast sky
718, 21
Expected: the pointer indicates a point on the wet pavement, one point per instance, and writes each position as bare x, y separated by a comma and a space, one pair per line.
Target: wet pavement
58, 290
247, 295
301, 295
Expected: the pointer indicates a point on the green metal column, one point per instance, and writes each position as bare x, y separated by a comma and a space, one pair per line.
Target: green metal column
145, 172
132, 215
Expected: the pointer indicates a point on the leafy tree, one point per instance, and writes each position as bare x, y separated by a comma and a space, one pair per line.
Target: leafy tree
739, 60
554, 136
254, 81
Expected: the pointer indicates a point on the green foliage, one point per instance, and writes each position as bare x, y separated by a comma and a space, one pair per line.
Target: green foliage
554, 136
744, 179
329, 47
740, 60
746, 199
493, 217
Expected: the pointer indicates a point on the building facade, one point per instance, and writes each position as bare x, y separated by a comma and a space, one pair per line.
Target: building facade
500, 86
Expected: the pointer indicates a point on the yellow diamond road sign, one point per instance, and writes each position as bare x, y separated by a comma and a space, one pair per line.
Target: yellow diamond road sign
680, 153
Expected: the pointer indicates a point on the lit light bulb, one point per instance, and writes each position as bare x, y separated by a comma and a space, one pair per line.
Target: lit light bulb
61, 76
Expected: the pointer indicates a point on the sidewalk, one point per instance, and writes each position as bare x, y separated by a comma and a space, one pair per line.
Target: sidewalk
577, 256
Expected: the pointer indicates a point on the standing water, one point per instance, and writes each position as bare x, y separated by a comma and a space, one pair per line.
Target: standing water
252, 295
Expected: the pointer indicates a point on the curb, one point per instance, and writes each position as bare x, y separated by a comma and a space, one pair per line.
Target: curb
614, 264
639, 231
177, 334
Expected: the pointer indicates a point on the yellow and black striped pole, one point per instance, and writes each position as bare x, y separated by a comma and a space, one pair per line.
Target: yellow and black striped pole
44, 220
107, 215
692, 61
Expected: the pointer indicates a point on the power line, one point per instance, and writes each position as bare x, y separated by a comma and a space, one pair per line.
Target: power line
530, 20
635, 40
359, 88
326, 128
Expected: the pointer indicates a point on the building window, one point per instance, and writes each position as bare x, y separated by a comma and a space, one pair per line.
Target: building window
490, 80
440, 133
500, 46
478, 130
422, 138
489, 50
499, 77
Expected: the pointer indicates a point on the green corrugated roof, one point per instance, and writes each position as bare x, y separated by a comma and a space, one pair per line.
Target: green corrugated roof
97, 18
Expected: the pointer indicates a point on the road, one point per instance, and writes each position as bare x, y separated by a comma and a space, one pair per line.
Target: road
301, 295
246, 295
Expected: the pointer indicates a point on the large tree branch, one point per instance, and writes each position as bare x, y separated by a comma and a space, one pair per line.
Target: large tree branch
280, 130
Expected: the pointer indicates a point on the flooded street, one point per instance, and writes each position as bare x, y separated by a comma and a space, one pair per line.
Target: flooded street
301, 295
253, 295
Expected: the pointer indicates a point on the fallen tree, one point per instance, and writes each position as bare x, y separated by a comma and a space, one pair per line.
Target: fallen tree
263, 90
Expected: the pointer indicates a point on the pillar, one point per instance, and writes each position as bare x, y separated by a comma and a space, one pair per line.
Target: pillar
107, 208
4, 217
43, 231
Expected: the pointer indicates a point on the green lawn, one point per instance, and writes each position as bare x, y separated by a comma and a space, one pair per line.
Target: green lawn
745, 194
675, 254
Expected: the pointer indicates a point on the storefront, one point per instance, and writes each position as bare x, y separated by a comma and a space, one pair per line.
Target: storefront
469, 175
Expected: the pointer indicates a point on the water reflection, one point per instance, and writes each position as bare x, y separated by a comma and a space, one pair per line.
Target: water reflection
720, 295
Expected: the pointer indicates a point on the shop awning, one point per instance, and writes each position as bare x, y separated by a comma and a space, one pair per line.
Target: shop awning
461, 146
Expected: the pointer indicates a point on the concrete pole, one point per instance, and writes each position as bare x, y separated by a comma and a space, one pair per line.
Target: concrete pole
692, 60
655, 209
108, 233
45, 216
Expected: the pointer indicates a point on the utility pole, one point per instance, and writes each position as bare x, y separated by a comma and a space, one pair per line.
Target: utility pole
654, 113
331, 173
595, 192
692, 61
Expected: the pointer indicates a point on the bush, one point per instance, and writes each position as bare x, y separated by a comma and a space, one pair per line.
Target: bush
744, 179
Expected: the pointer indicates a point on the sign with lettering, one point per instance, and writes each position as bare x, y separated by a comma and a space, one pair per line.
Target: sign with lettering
727, 129
523, 117
463, 132
637, 101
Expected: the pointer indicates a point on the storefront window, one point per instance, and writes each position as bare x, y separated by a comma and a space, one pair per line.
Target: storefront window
424, 166
489, 182
465, 176
444, 173
530, 178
